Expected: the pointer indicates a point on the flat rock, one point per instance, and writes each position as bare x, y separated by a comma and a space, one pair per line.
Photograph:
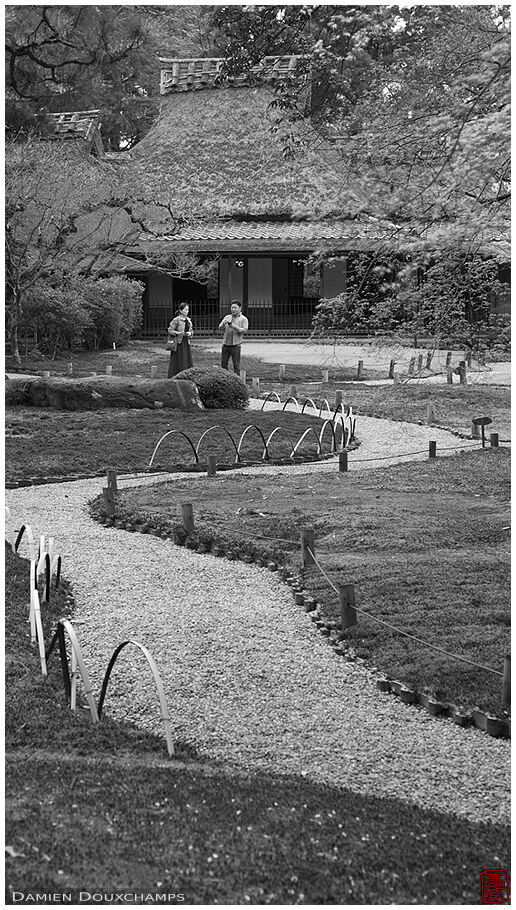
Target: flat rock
96, 392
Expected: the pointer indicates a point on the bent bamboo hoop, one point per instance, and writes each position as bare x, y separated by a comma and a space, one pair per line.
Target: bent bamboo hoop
36, 619
62, 626
252, 426
269, 395
300, 440
169, 433
277, 430
159, 687
224, 430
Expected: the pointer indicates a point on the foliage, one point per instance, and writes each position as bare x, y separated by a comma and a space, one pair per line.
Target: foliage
419, 142
218, 388
68, 58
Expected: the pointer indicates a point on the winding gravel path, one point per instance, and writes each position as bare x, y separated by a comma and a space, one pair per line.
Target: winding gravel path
248, 678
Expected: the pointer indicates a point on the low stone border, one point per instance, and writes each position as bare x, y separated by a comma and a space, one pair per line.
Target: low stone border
493, 726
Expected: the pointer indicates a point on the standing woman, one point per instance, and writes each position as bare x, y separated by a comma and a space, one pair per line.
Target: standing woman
180, 330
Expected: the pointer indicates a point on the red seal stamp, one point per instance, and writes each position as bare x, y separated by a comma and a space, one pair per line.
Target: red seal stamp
495, 886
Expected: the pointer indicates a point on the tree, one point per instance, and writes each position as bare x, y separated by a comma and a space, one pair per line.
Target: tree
56, 224
68, 58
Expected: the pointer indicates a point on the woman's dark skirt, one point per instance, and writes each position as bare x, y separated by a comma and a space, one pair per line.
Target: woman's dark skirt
180, 359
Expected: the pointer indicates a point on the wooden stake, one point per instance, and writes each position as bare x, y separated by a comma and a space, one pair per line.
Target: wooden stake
449, 375
325, 376
494, 440
282, 369
348, 616
506, 684
360, 369
109, 370
46, 374
111, 480
308, 543
343, 461
448, 358
429, 359
109, 501
212, 465
293, 391
391, 369
462, 372
69, 368
243, 375
153, 371
419, 363
256, 383
432, 449
430, 413
338, 399
411, 366
188, 516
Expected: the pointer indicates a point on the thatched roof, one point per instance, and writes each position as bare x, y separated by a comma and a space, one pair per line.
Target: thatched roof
212, 155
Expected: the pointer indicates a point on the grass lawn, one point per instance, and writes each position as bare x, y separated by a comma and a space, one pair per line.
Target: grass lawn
99, 809
425, 544
49, 443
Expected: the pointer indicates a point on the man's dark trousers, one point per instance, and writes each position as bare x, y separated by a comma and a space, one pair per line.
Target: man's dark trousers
233, 351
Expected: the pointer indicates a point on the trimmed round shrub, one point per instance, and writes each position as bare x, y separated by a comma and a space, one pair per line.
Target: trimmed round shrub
218, 388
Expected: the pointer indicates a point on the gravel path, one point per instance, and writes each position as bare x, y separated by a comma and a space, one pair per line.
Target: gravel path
248, 678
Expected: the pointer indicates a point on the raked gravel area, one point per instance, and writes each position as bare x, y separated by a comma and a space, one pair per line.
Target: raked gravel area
248, 679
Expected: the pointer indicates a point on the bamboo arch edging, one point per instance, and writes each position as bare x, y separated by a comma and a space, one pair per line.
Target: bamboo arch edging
71, 684
291, 398
277, 430
159, 687
225, 430
266, 399
300, 440
169, 433
252, 426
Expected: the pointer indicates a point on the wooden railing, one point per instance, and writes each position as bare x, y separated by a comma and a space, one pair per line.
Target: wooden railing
266, 317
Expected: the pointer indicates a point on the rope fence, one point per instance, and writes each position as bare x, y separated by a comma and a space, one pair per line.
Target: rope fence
401, 631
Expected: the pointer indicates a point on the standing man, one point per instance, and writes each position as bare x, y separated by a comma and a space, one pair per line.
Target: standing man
234, 325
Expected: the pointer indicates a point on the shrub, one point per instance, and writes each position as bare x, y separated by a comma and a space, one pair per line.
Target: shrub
218, 388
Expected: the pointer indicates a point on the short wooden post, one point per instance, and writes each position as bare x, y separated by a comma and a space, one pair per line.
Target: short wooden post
308, 546
449, 375
109, 501
448, 358
212, 465
325, 376
293, 391
188, 516
153, 371
338, 399
506, 684
475, 430
429, 357
93, 373
467, 357
343, 461
348, 616
432, 449
111, 480
109, 370
282, 369
494, 440
391, 369
412, 363
430, 413
256, 383
360, 369
69, 368
419, 362
243, 375
462, 372
46, 374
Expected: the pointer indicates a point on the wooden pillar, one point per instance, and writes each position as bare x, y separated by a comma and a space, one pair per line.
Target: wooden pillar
506, 684
338, 398
348, 616
494, 440
462, 372
243, 375
449, 375
212, 465
411, 366
325, 376
432, 449
391, 369
343, 461
360, 369
111, 480
308, 544
282, 369
188, 516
